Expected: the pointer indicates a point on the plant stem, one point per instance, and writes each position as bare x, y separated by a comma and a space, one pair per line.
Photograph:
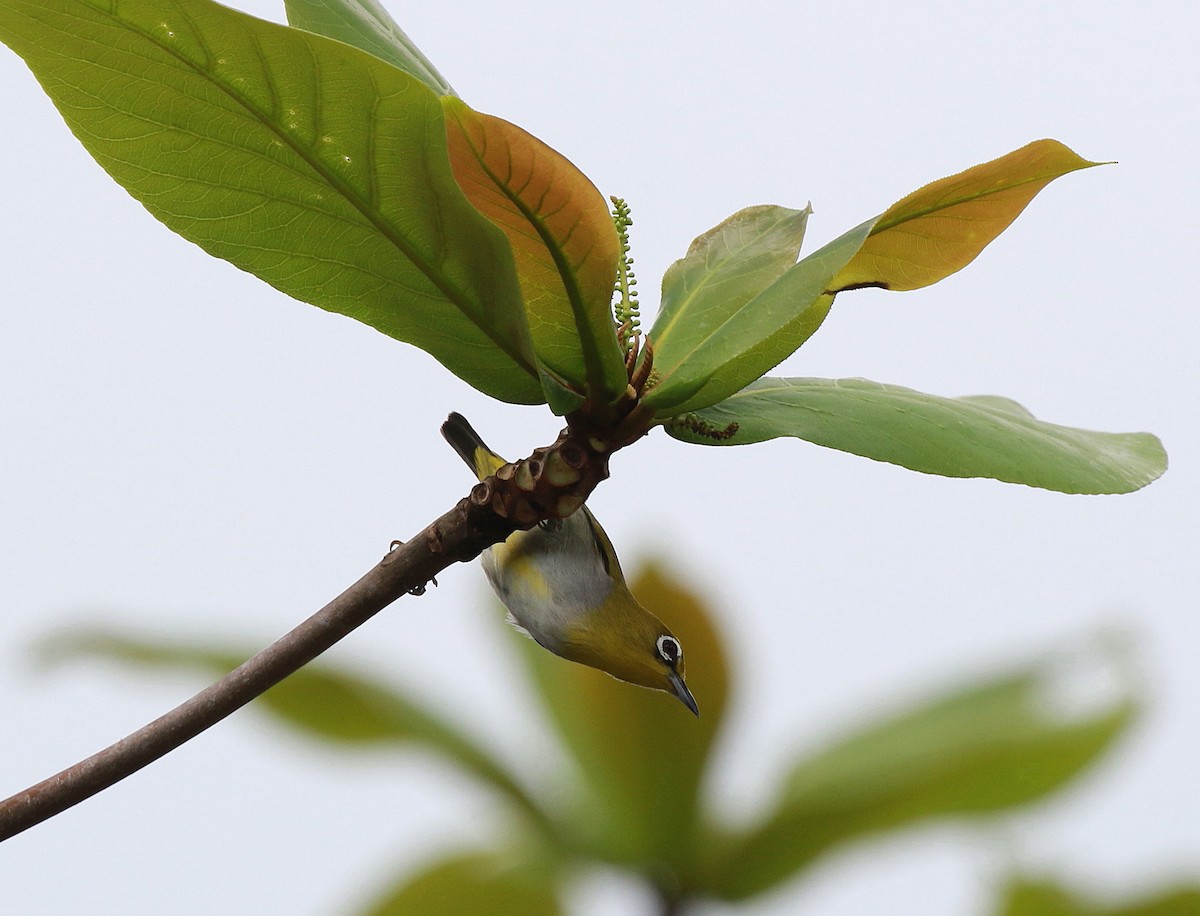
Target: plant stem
405, 569
517, 496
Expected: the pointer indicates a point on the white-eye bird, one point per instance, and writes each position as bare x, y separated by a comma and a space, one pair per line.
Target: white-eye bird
563, 587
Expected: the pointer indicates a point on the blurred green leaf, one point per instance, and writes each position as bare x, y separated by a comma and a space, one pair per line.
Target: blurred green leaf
314, 166
365, 24
474, 885
988, 748
322, 703
979, 436
642, 753
716, 352
1038, 897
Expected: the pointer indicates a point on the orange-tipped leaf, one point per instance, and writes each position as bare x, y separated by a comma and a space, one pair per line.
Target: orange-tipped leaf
562, 237
941, 228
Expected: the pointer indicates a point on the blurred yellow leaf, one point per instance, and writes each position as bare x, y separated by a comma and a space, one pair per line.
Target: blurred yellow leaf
1041, 897
942, 227
473, 884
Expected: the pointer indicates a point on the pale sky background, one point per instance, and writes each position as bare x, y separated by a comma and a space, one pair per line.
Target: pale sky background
188, 453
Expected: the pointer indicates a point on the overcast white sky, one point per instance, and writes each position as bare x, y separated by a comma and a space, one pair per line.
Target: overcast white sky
187, 452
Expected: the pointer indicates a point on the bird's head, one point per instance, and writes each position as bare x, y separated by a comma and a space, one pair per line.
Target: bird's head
625, 640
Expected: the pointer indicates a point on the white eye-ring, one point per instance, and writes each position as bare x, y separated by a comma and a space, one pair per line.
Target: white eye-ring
669, 650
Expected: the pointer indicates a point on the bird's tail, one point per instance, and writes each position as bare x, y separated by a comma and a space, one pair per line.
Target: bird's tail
464, 440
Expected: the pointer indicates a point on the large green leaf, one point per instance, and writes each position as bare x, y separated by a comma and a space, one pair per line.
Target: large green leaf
557, 223
713, 352
942, 227
978, 436
982, 750
563, 239
474, 884
1040, 897
366, 25
315, 166
642, 753
320, 702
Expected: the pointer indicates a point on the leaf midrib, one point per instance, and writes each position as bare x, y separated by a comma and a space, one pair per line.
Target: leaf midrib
591, 355
451, 291
908, 216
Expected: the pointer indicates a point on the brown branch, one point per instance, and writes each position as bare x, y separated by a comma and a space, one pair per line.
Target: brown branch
551, 483
407, 568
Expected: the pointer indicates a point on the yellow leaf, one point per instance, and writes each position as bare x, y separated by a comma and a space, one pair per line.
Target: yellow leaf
942, 227
562, 237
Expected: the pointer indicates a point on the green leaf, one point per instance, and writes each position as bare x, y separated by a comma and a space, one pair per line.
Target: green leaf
641, 752
320, 702
473, 884
705, 352
978, 436
1026, 896
722, 271
315, 166
982, 750
366, 25
714, 352
562, 237
941, 228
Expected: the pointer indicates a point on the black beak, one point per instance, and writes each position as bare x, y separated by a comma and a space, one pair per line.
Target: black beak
680, 689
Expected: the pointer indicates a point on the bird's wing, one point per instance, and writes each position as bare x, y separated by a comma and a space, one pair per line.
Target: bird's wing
608, 554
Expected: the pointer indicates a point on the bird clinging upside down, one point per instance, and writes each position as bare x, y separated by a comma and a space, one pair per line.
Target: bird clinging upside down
563, 586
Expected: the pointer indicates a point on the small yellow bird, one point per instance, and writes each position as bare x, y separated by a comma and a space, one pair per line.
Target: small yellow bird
563, 587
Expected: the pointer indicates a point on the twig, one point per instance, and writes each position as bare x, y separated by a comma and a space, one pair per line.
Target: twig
552, 483
407, 568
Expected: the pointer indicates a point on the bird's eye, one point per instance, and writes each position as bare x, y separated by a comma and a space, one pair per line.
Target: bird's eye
669, 650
